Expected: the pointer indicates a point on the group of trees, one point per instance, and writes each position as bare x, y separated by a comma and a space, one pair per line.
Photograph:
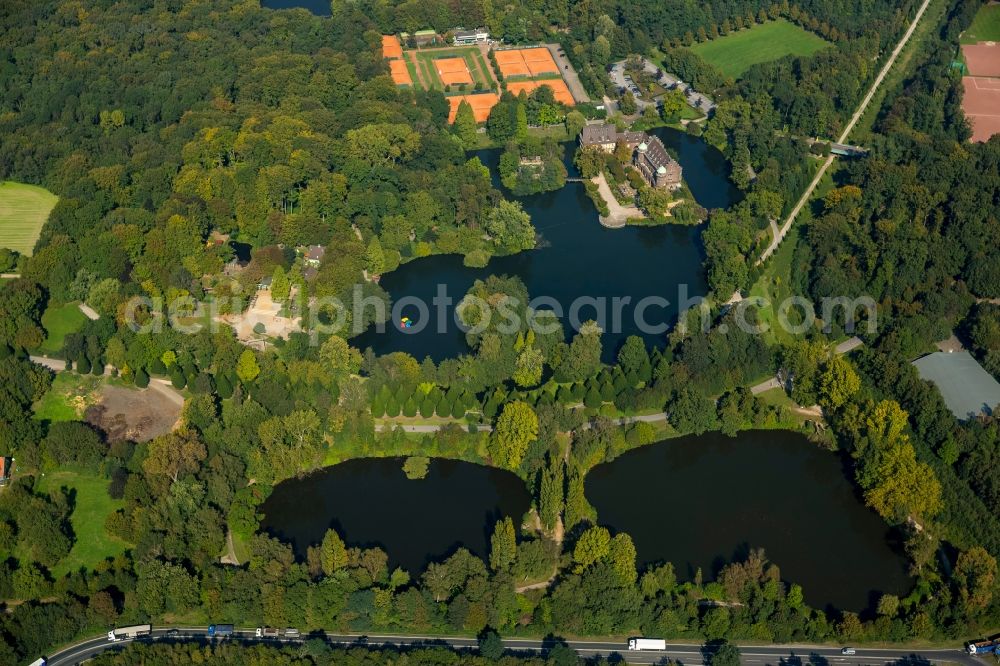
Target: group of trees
531, 165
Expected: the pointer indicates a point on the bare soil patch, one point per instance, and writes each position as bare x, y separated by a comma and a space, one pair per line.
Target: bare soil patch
138, 415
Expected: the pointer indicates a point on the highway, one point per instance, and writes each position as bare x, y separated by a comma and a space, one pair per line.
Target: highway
684, 653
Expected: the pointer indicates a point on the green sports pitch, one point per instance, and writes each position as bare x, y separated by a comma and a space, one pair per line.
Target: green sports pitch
985, 26
738, 51
23, 211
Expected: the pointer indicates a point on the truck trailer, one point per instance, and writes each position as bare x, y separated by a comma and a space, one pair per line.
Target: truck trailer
639, 644
984, 647
220, 630
129, 633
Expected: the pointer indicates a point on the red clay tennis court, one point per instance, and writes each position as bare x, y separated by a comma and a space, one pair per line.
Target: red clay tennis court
559, 89
400, 74
982, 59
981, 104
452, 71
510, 63
539, 61
391, 48
481, 105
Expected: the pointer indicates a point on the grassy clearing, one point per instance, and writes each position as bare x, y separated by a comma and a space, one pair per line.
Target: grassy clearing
69, 396
774, 286
92, 508
985, 26
738, 51
23, 211
791, 418
58, 322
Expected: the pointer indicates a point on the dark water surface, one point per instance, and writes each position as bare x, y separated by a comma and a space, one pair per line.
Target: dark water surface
370, 502
317, 7
576, 257
704, 501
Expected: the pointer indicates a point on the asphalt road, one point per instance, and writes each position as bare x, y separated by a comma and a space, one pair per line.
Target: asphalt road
686, 654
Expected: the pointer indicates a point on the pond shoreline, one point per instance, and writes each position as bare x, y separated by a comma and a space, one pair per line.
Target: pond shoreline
839, 528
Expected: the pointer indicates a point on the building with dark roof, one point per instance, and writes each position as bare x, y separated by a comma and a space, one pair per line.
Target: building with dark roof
314, 255
656, 165
601, 136
649, 155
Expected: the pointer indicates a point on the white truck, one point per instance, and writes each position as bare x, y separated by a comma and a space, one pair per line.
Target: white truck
640, 644
129, 633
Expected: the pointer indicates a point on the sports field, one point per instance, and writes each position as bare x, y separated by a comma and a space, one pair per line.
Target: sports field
738, 51
559, 89
430, 66
452, 71
23, 211
533, 62
480, 103
400, 73
391, 48
985, 26
981, 104
982, 59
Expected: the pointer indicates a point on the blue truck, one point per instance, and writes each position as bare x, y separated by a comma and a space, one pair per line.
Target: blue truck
984, 647
220, 630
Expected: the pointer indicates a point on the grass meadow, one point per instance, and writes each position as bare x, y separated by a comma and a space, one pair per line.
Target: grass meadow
23, 211
738, 51
985, 26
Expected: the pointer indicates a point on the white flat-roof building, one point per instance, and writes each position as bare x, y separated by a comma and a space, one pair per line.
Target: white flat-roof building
466, 37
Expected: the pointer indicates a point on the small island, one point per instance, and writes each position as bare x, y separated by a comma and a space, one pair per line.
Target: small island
633, 179
531, 166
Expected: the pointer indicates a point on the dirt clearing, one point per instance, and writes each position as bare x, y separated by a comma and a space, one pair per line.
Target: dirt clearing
135, 414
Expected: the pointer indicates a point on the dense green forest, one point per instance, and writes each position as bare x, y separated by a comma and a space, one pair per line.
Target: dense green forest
165, 125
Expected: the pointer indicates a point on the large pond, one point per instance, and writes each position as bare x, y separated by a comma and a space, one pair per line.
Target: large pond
371, 502
704, 501
317, 7
576, 257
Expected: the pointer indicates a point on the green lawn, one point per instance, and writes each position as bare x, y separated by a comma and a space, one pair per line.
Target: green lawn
985, 26
58, 322
737, 51
69, 396
93, 506
23, 211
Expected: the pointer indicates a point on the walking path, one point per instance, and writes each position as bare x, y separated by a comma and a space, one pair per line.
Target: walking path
161, 386
776, 241
230, 556
89, 312
619, 215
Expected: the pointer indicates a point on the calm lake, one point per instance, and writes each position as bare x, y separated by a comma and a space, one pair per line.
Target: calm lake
370, 502
694, 501
317, 7
704, 501
576, 257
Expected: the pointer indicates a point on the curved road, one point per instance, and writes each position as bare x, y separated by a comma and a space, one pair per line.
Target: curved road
843, 137
688, 654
